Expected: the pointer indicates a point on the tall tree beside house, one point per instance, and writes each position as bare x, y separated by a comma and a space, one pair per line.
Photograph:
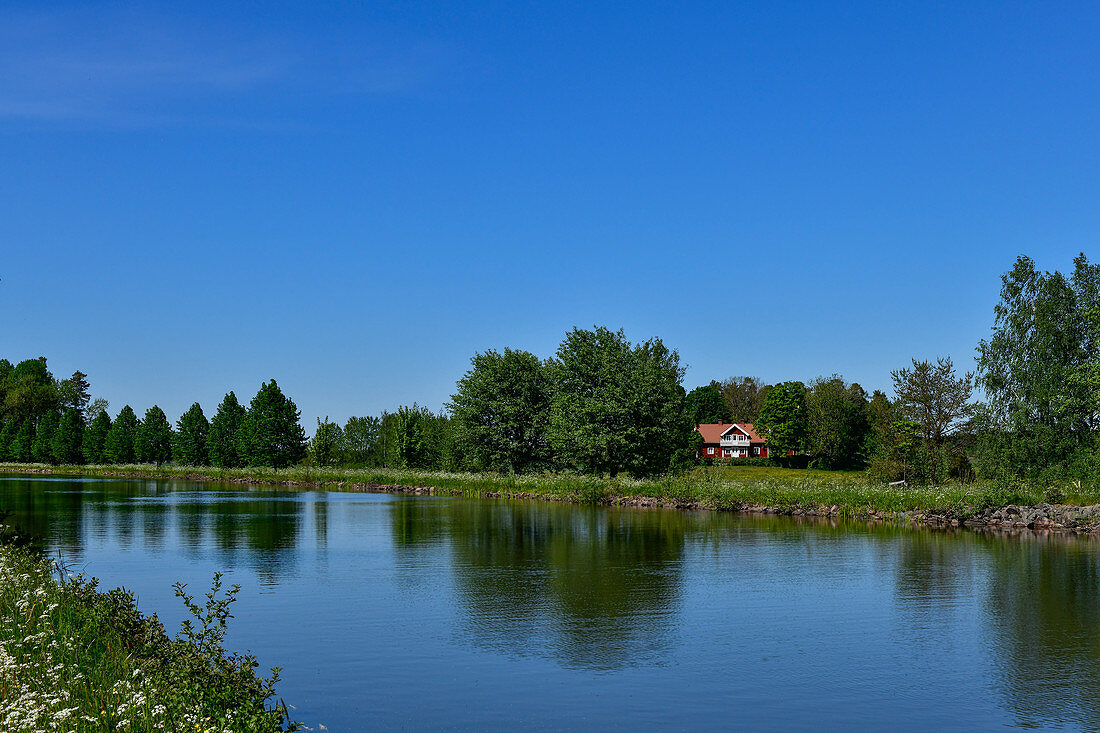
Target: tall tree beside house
95, 438
838, 422
192, 431
119, 447
706, 404
617, 406
783, 420
1040, 370
68, 439
930, 395
42, 448
221, 442
745, 396
270, 434
153, 441
501, 411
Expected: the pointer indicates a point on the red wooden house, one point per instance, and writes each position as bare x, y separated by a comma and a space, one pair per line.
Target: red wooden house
731, 440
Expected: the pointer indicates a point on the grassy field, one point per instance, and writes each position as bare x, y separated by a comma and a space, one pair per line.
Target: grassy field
853, 493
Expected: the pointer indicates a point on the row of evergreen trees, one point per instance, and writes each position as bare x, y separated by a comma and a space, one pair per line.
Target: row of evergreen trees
46, 420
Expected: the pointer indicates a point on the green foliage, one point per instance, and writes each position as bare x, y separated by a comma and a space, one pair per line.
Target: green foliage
413, 437
119, 446
22, 448
192, 430
30, 390
930, 395
707, 405
72, 393
95, 438
501, 410
783, 420
270, 434
326, 446
67, 443
363, 441
617, 406
42, 448
838, 423
745, 396
221, 444
1040, 370
7, 439
153, 441
84, 659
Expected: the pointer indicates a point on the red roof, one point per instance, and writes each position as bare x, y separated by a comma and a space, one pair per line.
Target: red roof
713, 432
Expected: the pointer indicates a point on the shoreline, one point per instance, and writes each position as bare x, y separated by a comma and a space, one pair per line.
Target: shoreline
1011, 516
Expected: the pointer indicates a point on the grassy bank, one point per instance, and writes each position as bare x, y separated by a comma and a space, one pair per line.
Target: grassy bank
721, 488
73, 658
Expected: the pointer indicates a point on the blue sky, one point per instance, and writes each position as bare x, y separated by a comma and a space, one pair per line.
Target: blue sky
353, 199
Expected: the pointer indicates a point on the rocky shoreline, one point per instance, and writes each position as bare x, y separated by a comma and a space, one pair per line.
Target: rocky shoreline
1040, 517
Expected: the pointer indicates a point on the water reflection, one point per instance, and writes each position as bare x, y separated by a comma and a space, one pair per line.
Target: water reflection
600, 593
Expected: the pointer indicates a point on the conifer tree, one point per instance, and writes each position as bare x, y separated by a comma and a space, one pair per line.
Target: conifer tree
192, 430
21, 447
68, 438
95, 438
7, 438
153, 441
119, 447
221, 441
270, 434
42, 448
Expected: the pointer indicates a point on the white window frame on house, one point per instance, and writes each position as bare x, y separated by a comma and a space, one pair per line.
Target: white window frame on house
710, 450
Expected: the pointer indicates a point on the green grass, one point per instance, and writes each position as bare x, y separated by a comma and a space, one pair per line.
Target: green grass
853, 493
73, 658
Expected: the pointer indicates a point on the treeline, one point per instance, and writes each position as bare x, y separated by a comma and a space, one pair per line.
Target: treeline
46, 420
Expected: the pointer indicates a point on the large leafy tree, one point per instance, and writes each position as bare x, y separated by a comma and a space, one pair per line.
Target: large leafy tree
617, 406
838, 422
414, 437
153, 442
192, 431
68, 438
783, 419
1040, 367
270, 434
744, 395
706, 404
932, 396
95, 438
501, 410
326, 446
119, 447
30, 391
362, 441
221, 443
73, 393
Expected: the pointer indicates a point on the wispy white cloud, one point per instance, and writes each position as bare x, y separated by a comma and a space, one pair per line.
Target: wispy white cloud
134, 68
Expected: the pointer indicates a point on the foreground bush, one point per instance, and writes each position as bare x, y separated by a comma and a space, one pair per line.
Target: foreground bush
73, 658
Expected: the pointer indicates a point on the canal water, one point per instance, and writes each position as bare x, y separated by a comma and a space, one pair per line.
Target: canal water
431, 613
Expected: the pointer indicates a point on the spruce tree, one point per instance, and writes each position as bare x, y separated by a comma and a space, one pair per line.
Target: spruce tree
221, 442
271, 434
68, 438
42, 447
192, 430
119, 447
21, 448
95, 438
7, 439
153, 442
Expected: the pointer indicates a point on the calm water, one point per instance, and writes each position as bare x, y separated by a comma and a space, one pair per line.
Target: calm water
410, 612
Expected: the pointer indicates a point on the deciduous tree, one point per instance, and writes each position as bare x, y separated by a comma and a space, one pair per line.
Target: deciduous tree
783, 420
270, 434
192, 431
930, 395
706, 404
838, 422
